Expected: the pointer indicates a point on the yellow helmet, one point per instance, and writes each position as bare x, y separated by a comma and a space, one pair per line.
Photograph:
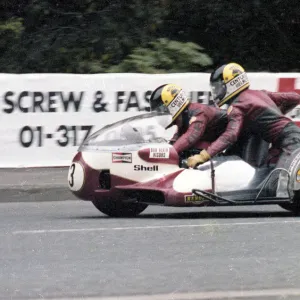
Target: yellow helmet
227, 81
171, 96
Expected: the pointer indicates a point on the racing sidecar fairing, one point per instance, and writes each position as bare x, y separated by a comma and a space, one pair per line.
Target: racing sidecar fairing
128, 165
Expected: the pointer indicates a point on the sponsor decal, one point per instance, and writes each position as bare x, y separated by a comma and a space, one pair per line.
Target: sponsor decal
298, 176
119, 157
159, 153
177, 103
194, 199
144, 168
239, 81
236, 83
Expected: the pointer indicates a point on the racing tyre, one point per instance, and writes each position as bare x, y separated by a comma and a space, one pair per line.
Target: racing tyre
120, 209
293, 207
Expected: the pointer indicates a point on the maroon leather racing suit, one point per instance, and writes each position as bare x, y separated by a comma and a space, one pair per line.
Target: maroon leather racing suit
202, 124
285, 101
260, 112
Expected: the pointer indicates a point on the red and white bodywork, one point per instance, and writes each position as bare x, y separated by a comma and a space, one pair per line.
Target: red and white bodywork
122, 162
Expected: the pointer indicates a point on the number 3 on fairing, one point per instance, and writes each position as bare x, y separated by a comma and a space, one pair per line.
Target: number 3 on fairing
71, 175
76, 176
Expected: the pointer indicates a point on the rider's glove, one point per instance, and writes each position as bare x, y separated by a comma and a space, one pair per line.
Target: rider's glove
198, 159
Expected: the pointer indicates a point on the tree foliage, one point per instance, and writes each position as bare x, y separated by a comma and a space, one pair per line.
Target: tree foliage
90, 36
165, 56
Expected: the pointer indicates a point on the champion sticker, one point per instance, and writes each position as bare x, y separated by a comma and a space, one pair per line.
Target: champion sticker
120, 157
159, 153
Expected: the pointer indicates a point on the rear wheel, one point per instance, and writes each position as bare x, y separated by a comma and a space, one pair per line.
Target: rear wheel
119, 209
293, 207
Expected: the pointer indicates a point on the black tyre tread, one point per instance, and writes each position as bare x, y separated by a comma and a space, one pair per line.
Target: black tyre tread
293, 207
119, 209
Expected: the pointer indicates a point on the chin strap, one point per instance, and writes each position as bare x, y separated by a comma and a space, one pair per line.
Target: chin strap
185, 120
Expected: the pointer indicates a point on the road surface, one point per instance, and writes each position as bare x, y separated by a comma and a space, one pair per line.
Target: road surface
69, 250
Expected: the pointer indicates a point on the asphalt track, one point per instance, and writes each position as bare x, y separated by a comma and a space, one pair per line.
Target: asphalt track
34, 184
69, 250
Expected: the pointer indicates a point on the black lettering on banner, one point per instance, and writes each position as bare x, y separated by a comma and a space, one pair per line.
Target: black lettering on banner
200, 97
66, 100
87, 130
210, 99
75, 134
147, 99
9, 102
40, 137
120, 99
26, 141
98, 105
147, 96
21, 97
51, 102
64, 135
38, 99
132, 101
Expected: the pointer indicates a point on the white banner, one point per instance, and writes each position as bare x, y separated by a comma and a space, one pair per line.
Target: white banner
45, 117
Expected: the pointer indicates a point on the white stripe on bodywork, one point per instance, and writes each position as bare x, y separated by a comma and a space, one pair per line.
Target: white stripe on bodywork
103, 160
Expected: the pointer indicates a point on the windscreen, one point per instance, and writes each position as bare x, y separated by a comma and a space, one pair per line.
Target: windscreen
145, 128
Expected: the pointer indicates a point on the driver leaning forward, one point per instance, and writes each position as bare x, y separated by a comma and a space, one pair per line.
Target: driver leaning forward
197, 124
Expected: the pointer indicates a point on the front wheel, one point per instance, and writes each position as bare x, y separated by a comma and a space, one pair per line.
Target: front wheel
119, 209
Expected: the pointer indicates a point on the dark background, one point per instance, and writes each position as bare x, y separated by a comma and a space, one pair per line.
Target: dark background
86, 36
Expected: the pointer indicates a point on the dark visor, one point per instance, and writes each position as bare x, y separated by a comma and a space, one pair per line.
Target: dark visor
216, 89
